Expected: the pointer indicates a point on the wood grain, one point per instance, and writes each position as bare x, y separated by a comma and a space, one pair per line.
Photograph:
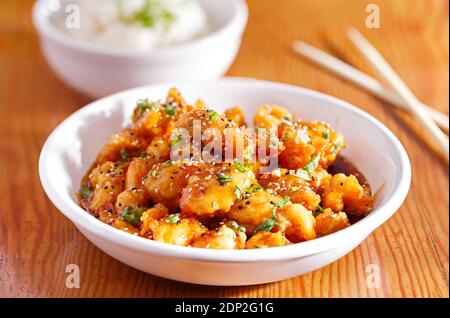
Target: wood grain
37, 242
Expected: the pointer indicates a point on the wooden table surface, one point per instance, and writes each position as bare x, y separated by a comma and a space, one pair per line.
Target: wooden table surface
411, 249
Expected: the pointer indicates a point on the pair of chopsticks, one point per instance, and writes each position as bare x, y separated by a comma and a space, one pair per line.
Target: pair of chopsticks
399, 94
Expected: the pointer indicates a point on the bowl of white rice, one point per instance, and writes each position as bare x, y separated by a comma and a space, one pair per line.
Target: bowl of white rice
104, 46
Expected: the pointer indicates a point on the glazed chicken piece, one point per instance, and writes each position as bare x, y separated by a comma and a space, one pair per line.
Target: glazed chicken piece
296, 222
157, 151
236, 114
224, 237
271, 116
107, 180
122, 145
158, 119
254, 209
208, 120
295, 185
200, 134
213, 189
345, 193
157, 212
134, 195
166, 181
176, 231
263, 211
329, 222
309, 145
267, 239
150, 120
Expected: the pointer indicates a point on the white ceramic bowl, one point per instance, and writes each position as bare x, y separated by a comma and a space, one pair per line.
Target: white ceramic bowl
73, 145
97, 71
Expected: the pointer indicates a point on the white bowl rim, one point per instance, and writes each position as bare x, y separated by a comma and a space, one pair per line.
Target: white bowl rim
236, 24
366, 225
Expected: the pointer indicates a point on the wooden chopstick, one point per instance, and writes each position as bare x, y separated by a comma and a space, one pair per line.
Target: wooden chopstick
362, 80
397, 85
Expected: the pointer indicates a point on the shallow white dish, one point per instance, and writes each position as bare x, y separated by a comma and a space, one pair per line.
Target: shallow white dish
99, 71
74, 144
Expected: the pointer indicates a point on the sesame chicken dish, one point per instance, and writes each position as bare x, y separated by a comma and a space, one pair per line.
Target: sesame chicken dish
187, 175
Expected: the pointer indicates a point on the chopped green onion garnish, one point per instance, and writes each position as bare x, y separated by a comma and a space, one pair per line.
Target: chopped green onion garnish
283, 202
177, 140
141, 106
124, 154
254, 187
236, 226
318, 211
167, 163
266, 226
303, 174
85, 191
153, 13
170, 110
173, 218
326, 134
242, 167
131, 216
285, 137
237, 192
336, 148
224, 180
312, 165
213, 116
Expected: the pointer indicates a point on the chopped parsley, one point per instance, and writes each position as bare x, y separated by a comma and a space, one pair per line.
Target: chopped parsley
266, 226
224, 180
173, 218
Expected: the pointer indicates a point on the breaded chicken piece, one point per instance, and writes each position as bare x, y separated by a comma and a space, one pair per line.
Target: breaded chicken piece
345, 193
